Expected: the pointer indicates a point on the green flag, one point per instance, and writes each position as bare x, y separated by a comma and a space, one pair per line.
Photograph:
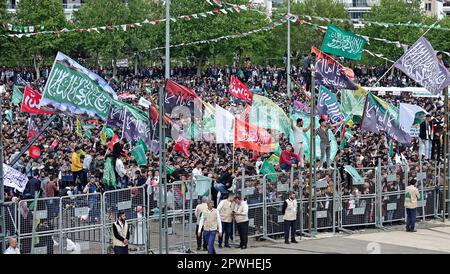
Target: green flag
352, 102
17, 95
9, 115
169, 169
103, 136
143, 144
148, 90
273, 160
109, 177
278, 151
87, 133
138, 153
267, 114
343, 43
209, 118
267, 168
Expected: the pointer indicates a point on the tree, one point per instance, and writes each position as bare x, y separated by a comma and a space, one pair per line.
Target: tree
392, 11
105, 45
191, 29
3, 10
47, 13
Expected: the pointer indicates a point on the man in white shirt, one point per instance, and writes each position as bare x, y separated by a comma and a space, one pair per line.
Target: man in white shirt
13, 248
241, 217
121, 173
298, 138
198, 211
211, 223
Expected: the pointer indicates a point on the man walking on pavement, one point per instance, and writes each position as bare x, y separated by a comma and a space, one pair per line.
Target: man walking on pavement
225, 209
211, 223
289, 211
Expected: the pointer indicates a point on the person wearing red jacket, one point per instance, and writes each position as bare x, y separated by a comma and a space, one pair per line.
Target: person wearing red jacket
288, 158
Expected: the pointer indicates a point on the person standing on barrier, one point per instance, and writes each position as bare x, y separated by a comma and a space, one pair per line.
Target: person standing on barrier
225, 209
241, 217
411, 197
210, 223
289, 211
77, 168
198, 211
121, 234
298, 138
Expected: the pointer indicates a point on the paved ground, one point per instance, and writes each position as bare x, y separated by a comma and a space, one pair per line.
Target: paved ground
430, 238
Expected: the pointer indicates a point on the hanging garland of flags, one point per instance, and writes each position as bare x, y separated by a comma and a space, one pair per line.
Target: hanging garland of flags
21, 29
125, 27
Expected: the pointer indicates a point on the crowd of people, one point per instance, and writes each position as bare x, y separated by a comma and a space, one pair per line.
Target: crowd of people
73, 164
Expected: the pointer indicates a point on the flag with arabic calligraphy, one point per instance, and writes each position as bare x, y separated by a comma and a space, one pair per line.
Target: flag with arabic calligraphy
251, 137
328, 104
331, 74
31, 101
240, 90
421, 64
381, 116
343, 43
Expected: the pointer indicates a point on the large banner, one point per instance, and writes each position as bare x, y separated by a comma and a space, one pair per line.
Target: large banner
380, 116
331, 73
31, 101
134, 122
267, 114
224, 126
76, 90
178, 95
14, 178
421, 64
329, 105
251, 137
343, 43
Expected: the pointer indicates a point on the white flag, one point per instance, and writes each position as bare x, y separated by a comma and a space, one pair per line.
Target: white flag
224, 126
408, 115
14, 178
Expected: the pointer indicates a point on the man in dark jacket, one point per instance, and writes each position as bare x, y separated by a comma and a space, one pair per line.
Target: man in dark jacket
426, 136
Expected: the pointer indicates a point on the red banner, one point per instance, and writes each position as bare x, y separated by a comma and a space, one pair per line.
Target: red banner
34, 152
31, 100
239, 90
182, 145
251, 137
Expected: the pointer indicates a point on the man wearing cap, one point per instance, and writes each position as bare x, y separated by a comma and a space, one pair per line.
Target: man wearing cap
121, 234
289, 211
211, 223
225, 209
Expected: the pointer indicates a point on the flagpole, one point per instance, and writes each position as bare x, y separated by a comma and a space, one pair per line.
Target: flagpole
382, 76
2, 196
445, 169
312, 156
288, 57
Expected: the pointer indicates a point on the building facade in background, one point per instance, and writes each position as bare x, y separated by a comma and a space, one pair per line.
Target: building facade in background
356, 8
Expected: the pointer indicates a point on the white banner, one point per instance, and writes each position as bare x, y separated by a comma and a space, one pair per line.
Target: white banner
14, 178
144, 102
224, 126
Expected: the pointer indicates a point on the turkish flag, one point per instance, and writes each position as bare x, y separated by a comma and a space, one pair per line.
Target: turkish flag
34, 152
31, 100
240, 90
251, 137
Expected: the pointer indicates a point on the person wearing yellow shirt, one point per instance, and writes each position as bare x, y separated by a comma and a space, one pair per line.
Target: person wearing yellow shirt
77, 168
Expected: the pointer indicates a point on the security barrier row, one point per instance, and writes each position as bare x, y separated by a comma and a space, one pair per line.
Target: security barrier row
82, 224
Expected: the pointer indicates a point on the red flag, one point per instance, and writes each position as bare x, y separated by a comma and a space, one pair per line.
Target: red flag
182, 145
126, 95
34, 152
251, 137
32, 129
178, 95
54, 144
114, 140
31, 100
239, 90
